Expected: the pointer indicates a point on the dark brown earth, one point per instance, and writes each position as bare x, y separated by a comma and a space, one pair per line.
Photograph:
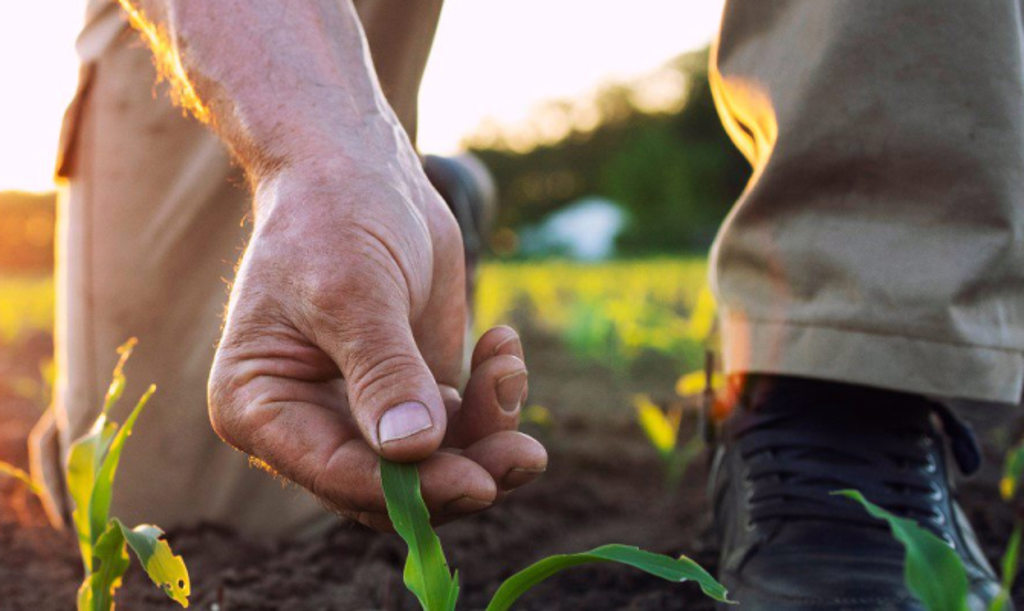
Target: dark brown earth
604, 485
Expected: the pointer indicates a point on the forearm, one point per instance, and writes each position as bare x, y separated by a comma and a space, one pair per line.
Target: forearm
282, 83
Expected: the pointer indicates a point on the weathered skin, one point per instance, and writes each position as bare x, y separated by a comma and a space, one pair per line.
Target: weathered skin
350, 299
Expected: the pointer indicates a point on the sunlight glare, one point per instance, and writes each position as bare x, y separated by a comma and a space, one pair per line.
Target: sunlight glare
39, 69
493, 63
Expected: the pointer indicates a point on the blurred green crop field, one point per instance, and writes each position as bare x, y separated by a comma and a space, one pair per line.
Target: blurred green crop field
26, 304
611, 312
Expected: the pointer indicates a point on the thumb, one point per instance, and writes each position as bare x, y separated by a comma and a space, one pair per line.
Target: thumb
393, 396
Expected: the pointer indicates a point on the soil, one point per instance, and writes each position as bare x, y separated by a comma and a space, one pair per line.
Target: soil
604, 484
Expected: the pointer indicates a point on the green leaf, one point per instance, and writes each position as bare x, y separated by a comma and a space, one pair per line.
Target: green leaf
103, 488
426, 570
933, 571
20, 475
1013, 469
679, 460
167, 571
1010, 564
118, 381
84, 460
660, 431
111, 561
665, 567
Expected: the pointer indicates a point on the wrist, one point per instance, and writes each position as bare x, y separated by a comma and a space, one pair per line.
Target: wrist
317, 144
334, 178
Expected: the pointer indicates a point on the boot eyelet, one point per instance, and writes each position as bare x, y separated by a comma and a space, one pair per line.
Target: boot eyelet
930, 466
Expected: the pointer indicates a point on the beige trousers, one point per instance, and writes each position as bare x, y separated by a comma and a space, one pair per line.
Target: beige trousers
881, 238
150, 228
878, 242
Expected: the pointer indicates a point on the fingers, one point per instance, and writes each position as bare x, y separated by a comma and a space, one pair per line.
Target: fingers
512, 458
494, 394
508, 459
449, 483
499, 340
496, 389
393, 396
452, 486
313, 446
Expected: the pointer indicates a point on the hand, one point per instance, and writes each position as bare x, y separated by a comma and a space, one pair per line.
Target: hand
343, 342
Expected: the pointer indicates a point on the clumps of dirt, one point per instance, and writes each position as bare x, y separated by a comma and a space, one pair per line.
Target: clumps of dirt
604, 484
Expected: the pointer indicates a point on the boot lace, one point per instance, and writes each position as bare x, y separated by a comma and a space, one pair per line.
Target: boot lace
796, 461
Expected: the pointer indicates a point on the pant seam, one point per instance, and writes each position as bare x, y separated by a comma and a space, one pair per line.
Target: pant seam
851, 329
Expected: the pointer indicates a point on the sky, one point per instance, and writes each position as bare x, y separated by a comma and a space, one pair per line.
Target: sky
492, 60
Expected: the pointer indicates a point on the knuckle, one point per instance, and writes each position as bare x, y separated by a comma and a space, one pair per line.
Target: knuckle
230, 399
223, 410
373, 368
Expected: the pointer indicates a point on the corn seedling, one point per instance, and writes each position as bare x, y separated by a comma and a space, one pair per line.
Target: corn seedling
1009, 487
662, 430
102, 540
662, 426
932, 570
429, 578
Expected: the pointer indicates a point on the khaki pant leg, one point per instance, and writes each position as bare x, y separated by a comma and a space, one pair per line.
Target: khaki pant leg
150, 228
880, 240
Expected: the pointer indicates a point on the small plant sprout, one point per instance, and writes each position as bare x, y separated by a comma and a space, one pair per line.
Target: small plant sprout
932, 569
1009, 488
102, 540
429, 578
662, 426
662, 430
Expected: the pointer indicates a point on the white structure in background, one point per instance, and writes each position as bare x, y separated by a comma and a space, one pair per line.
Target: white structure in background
585, 230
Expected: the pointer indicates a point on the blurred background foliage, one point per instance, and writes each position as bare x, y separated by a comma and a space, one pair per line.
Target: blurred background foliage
654, 147
615, 313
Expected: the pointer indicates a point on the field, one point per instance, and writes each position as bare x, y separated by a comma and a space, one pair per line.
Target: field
594, 335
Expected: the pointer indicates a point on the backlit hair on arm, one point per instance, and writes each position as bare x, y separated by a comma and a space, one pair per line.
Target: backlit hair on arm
168, 62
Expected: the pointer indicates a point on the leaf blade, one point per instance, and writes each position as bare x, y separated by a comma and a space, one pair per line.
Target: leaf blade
21, 475
84, 459
97, 590
164, 568
665, 567
426, 571
660, 430
1010, 565
103, 488
933, 571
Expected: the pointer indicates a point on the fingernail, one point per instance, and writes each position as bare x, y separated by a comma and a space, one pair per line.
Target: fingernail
403, 420
517, 476
512, 340
510, 390
465, 504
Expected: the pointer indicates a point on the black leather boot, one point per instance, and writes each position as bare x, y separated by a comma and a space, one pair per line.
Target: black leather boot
786, 543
